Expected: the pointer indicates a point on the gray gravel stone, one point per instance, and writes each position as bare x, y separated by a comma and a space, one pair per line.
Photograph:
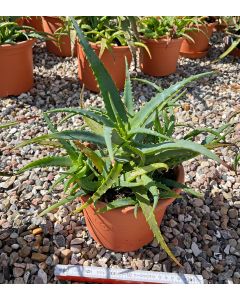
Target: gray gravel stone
42, 275
18, 272
195, 249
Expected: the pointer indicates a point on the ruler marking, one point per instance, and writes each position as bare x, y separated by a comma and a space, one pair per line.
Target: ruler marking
74, 271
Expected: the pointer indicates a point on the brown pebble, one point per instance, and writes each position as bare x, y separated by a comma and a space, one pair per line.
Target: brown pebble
39, 257
66, 253
186, 106
37, 231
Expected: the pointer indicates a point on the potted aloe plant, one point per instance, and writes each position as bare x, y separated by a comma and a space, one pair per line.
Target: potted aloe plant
110, 38
127, 167
200, 31
163, 37
16, 63
60, 27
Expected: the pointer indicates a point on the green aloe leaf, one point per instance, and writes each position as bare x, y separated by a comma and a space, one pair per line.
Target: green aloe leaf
101, 119
145, 81
210, 138
177, 185
181, 144
58, 181
70, 149
61, 202
87, 183
105, 82
107, 184
147, 110
127, 95
117, 204
151, 186
107, 131
236, 161
96, 159
54, 161
8, 124
198, 131
141, 197
67, 135
146, 131
229, 50
130, 176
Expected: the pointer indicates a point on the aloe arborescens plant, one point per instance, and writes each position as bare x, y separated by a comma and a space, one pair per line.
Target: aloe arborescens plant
127, 149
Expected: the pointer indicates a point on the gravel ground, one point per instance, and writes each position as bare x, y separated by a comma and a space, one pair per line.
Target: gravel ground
203, 234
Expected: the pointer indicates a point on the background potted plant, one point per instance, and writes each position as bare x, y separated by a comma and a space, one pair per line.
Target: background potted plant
130, 169
163, 38
200, 31
60, 27
16, 42
35, 22
108, 39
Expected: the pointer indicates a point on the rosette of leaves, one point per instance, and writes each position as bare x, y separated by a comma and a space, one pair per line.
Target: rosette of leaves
12, 33
120, 147
110, 31
155, 27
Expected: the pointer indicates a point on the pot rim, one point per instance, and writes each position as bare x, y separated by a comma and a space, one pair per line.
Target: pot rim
196, 52
162, 40
18, 44
115, 48
180, 178
204, 25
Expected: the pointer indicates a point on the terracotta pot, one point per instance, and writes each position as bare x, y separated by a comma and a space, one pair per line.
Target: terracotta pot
61, 48
164, 58
20, 21
198, 48
35, 22
221, 27
118, 229
114, 62
16, 71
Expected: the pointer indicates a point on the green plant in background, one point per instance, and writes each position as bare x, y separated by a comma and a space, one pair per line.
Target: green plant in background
12, 33
232, 40
120, 147
170, 27
106, 31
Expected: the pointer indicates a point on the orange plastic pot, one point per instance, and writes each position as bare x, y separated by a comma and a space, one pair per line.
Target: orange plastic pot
118, 229
62, 46
35, 22
16, 68
20, 21
198, 48
164, 56
113, 60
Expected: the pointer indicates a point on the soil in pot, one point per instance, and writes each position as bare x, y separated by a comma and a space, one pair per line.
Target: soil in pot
35, 22
61, 47
118, 229
164, 56
113, 60
198, 48
16, 71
